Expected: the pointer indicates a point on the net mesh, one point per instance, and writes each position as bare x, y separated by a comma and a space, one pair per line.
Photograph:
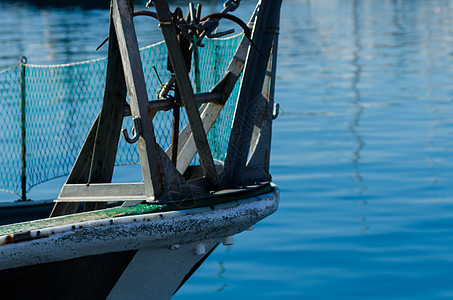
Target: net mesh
62, 101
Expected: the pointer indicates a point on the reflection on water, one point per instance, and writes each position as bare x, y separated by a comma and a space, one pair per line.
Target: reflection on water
357, 70
49, 35
55, 32
362, 150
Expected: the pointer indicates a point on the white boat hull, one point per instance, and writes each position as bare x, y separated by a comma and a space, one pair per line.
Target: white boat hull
154, 253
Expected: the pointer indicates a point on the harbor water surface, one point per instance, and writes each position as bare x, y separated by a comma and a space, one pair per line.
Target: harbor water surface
362, 150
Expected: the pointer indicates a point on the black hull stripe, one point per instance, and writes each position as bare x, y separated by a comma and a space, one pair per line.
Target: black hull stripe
90, 277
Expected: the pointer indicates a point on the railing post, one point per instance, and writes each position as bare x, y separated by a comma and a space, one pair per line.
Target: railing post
23, 62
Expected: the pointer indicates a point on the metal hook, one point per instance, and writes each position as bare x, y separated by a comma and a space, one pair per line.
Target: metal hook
136, 131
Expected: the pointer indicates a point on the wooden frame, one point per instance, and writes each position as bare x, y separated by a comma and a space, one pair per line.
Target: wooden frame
90, 178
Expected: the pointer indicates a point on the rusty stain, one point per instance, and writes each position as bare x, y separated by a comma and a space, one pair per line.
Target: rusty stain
9, 239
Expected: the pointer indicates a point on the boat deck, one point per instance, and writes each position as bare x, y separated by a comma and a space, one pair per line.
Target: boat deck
122, 211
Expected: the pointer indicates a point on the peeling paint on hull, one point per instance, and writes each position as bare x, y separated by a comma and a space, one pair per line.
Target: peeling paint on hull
157, 232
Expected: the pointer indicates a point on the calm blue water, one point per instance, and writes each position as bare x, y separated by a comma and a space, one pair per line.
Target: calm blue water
362, 151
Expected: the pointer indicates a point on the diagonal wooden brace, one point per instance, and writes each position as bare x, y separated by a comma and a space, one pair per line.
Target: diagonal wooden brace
96, 160
185, 88
210, 111
264, 35
153, 169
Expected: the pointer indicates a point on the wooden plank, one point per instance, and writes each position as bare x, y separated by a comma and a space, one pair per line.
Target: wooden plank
211, 111
265, 31
97, 158
261, 137
189, 149
102, 192
110, 120
185, 88
154, 171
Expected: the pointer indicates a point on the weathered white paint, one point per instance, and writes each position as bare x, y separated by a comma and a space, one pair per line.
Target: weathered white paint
137, 232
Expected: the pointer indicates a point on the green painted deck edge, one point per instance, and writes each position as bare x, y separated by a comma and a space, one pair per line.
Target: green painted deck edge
131, 210
81, 217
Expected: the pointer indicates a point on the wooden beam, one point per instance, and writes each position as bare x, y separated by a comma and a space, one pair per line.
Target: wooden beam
185, 88
262, 132
102, 192
211, 111
264, 34
110, 121
154, 171
96, 160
